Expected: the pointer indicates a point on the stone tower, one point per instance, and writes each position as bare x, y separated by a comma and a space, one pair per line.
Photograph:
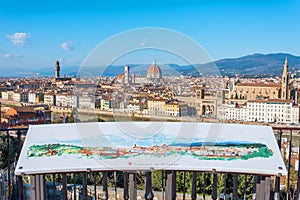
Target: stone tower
57, 69
285, 81
126, 74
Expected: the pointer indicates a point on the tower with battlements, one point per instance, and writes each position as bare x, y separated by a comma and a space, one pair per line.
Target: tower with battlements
57, 69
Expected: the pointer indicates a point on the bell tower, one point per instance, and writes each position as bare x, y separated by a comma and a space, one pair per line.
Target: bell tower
126, 74
285, 81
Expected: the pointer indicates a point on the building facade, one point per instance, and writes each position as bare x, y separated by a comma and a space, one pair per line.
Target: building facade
253, 91
176, 109
50, 99
20, 96
273, 111
264, 90
267, 111
232, 112
156, 106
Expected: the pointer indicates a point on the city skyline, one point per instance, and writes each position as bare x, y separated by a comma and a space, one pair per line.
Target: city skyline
34, 35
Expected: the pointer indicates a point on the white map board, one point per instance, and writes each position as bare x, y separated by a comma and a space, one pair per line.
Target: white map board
150, 146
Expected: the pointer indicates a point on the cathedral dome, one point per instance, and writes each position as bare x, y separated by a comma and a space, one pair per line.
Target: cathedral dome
154, 72
120, 76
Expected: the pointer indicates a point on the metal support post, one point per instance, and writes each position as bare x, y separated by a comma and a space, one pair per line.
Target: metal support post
171, 185
194, 186
148, 191
214, 195
126, 195
105, 187
132, 186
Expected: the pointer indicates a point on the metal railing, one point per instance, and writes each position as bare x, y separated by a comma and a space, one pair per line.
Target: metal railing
141, 185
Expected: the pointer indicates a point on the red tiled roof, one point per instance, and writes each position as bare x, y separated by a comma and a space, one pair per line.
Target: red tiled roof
280, 100
258, 84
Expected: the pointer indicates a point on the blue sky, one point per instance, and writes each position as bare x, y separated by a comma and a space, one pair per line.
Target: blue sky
34, 34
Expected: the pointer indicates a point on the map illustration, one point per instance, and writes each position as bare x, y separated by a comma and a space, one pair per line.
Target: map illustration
198, 150
150, 146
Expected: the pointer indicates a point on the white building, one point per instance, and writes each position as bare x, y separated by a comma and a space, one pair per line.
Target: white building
232, 112
61, 100
134, 108
241, 113
273, 110
72, 101
7, 95
32, 97
50, 99
257, 111
295, 114
66, 100
269, 111
87, 100
20, 96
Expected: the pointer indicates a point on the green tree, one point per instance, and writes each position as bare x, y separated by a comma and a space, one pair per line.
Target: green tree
70, 119
157, 180
41, 98
13, 150
236, 96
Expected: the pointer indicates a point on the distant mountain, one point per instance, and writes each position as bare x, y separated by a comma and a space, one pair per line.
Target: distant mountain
258, 65
47, 71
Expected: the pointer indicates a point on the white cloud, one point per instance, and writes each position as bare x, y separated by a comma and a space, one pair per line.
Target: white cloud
9, 55
68, 46
19, 39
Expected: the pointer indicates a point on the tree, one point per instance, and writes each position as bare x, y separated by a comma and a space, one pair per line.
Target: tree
70, 119
41, 98
13, 150
157, 180
236, 96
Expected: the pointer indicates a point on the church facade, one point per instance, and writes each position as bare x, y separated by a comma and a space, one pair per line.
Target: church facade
243, 92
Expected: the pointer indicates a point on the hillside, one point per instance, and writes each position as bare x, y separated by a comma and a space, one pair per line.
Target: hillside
256, 65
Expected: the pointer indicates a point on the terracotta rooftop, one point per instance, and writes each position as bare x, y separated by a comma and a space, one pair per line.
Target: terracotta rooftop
154, 70
258, 84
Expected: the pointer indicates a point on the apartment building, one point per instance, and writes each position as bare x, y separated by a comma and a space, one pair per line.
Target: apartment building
232, 111
20, 96
268, 111
175, 108
156, 106
50, 99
